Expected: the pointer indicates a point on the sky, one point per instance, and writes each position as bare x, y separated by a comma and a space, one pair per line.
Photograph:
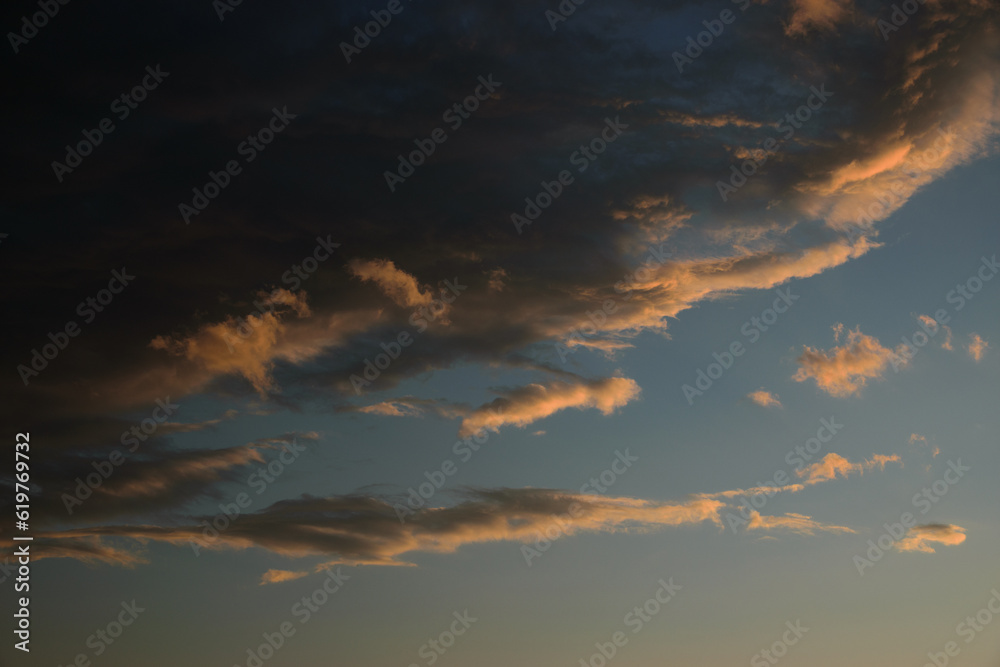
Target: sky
483, 333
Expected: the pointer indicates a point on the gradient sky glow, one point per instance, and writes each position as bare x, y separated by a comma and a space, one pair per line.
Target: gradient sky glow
873, 216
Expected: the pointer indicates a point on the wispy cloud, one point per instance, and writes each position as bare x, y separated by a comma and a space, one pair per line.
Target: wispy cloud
365, 530
794, 523
356, 529
526, 405
764, 398
833, 465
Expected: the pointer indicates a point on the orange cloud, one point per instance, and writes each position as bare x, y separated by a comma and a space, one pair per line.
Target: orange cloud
395, 283
816, 14
931, 325
714, 120
764, 398
795, 523
393, 409
833, 465
876, 181
678, 284
497, 277
919, 538
845, 370
977, 347
825, 470
244, 347
279, 576
527, 405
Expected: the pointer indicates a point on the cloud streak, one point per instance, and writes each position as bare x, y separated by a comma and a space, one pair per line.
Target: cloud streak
526, 405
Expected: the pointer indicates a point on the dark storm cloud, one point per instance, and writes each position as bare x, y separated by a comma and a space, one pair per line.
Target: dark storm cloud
170, 332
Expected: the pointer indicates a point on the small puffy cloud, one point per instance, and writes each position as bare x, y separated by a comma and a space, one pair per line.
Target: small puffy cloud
977, 347
764, 398
833, 465
395, 283
920, 538
526, 405
279, 576
844, 370
916, 438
